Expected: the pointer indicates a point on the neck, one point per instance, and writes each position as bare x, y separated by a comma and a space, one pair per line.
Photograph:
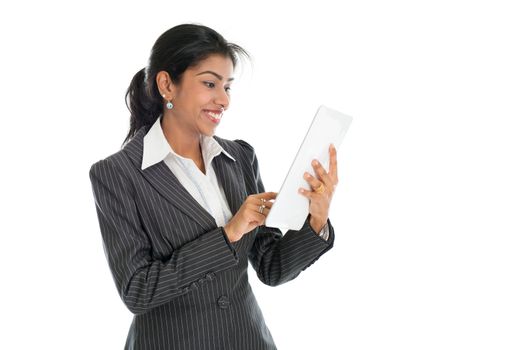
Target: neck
183, 141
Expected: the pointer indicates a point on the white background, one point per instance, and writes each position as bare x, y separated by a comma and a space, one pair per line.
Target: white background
429, 250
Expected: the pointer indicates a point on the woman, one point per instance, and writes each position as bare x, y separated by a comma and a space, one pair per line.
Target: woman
181, 211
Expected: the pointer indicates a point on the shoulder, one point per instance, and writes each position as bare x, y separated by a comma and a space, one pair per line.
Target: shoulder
125, 160
108, 167
107, 161
239, 149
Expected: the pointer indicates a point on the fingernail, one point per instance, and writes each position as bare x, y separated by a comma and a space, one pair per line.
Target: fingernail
315, 162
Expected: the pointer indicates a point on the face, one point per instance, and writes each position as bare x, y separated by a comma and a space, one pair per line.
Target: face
202, 95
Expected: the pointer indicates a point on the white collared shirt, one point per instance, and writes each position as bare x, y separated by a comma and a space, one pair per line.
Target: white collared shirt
204, 188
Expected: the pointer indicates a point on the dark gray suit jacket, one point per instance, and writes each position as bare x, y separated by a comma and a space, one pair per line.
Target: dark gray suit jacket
175, 269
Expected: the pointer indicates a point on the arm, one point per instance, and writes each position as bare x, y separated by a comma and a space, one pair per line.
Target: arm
143, 282
280, 258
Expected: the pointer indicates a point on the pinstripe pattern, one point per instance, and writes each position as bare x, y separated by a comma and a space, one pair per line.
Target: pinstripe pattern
174, 268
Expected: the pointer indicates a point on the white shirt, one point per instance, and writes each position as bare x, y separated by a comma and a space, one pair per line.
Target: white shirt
204, 188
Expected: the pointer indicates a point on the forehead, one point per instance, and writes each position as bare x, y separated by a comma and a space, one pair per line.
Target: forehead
217, 63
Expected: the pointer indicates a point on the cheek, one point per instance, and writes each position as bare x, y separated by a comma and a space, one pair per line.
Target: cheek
204, 97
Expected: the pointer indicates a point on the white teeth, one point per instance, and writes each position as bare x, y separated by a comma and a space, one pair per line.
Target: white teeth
214, 115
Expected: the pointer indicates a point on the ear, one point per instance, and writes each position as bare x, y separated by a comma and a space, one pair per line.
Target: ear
165, 85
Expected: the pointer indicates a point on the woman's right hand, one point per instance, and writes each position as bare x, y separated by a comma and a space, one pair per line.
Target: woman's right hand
248, 216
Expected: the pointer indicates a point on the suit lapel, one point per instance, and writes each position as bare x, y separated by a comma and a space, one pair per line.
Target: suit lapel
229, 175
167, 184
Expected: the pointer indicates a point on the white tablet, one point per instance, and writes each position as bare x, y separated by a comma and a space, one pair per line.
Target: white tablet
291, 208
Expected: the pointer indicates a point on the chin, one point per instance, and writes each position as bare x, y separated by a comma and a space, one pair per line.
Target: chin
207, 128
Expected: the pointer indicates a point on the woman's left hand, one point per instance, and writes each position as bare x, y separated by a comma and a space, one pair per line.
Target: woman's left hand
323, 189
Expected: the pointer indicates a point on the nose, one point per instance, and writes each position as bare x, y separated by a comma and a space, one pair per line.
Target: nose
222, 99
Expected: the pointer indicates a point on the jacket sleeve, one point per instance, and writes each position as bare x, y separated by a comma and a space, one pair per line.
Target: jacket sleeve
143, 282
279, 258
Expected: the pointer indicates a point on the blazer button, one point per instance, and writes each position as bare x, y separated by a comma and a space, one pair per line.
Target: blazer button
210, 276
223, 302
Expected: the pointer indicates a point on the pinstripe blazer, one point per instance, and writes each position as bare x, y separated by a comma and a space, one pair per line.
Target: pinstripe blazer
174, 269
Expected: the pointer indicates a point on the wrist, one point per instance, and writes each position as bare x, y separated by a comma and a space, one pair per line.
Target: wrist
229, 233
317, 224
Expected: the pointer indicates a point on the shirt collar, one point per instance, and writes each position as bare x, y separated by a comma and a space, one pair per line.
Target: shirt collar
156, 147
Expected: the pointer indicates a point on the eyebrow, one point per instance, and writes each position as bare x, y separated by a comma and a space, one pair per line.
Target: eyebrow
219, 77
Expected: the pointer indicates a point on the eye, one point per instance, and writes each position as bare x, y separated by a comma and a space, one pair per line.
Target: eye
211, 85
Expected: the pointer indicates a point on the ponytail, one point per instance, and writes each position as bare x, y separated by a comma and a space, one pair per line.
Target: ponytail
144, 108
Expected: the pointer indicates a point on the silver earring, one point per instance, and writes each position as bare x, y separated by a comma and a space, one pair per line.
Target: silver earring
169, 105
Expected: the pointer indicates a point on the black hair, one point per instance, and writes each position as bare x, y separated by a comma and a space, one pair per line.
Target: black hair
176, 50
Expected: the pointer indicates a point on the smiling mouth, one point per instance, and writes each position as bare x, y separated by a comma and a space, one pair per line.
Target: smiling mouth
214, 116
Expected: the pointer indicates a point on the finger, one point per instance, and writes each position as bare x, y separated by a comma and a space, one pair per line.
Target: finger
305, 193
256, 209
261, 198
260, 218
267, 204
322, 174
333, 166
254, 216
312, 181
266, 195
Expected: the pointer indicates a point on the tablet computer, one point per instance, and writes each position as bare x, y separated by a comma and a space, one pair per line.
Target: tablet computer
290, 209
